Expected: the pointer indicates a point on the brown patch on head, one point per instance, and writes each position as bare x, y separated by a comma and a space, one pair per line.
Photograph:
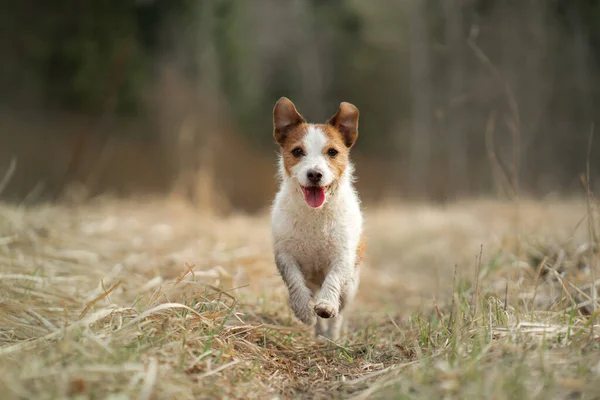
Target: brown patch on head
342, 131
335, 141
292, 141
288, 129
285, 119
346, 122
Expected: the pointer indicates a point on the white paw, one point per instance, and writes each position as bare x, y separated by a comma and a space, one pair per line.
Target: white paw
326, 309
303, 309
306, 315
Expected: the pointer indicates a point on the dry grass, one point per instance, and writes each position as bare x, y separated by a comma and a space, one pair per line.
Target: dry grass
150, 300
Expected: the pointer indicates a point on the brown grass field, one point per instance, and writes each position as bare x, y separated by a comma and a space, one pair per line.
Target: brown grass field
152, 300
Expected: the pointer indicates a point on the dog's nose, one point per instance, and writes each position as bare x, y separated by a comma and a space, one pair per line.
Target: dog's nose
314, 176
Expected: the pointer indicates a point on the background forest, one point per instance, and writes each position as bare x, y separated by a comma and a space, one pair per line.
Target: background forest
457, 97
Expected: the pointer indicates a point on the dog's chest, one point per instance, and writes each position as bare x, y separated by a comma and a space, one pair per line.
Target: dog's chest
313, 240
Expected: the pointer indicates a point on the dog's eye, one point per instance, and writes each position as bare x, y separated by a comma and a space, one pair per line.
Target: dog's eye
332, 153
297, 152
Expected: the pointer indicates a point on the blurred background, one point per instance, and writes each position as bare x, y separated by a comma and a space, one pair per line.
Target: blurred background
458, 98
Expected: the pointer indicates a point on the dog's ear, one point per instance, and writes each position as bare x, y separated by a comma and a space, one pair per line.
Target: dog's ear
285, 118
346, 121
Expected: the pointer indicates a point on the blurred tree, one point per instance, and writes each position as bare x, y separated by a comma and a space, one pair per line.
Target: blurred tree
85, 57
427, 76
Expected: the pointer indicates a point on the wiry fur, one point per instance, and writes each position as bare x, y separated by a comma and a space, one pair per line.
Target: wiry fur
317, 251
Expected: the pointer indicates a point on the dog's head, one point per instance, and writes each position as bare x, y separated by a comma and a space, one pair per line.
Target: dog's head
314, 156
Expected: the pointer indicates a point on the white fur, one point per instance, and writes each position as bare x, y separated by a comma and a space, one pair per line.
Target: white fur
315, 249
314, 141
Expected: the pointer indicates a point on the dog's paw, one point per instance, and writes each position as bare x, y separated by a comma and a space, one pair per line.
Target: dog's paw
303, 308
326, 310
306, 315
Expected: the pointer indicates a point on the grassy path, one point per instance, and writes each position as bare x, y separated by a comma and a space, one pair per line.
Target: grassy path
151, 300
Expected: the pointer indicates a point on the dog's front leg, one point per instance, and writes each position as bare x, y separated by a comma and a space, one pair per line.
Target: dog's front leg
327, 302
300, 296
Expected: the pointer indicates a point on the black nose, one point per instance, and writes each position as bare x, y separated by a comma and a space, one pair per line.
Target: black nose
314, 176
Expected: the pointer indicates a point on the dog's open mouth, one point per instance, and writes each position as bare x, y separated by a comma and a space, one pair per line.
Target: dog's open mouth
314, 195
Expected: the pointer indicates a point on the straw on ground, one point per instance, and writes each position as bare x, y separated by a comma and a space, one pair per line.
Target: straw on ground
150, 300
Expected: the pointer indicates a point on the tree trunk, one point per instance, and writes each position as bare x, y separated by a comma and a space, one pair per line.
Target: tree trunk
454, 130
420, 75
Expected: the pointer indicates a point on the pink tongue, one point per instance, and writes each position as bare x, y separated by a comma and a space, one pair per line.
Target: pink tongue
314, 196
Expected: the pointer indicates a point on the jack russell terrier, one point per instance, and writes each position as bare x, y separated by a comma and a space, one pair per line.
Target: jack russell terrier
317, 223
